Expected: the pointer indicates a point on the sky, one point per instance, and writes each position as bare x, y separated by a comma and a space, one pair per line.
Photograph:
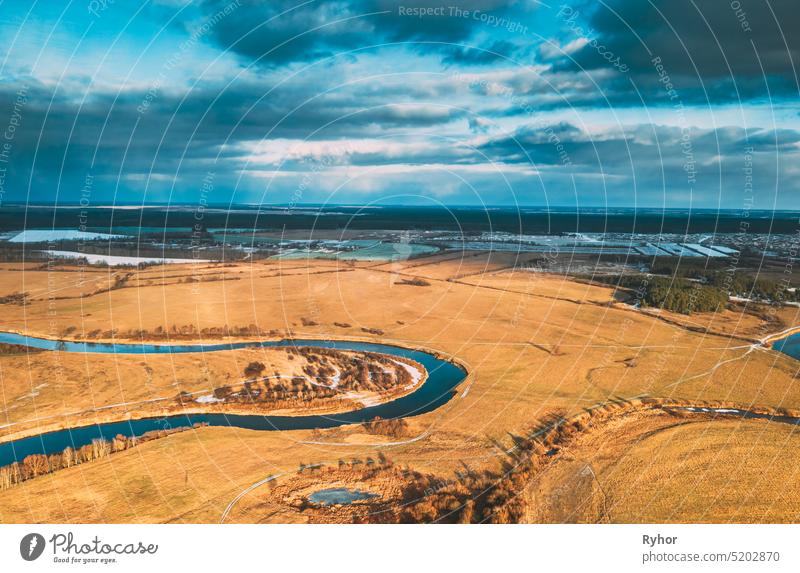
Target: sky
611, 103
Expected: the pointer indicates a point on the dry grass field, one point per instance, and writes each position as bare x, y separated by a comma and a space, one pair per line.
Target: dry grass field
535, 345
652, 467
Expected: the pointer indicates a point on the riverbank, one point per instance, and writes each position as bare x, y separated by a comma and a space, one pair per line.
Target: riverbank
90, 418
433, 384
200, 398
773, 338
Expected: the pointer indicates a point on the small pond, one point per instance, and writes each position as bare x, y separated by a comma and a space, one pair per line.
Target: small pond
340, 496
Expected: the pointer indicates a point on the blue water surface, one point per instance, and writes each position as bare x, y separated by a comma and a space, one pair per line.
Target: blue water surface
340, 496
789, 345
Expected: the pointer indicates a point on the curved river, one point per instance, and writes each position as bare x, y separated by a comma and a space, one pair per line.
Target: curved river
438, 388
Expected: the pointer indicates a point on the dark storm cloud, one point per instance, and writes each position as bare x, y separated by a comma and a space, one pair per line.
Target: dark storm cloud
648, 159
640, 164
283, 31
645, 147
170, 145
497, 52
566, 146
712, 50
610, 151
135, 133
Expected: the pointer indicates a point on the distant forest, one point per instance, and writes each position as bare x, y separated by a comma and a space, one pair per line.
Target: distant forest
467, 219
688, 288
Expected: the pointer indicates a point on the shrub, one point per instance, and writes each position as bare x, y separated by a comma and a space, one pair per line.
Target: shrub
254, 369
395, 428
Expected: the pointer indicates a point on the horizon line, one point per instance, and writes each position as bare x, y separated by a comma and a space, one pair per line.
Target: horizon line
288, 206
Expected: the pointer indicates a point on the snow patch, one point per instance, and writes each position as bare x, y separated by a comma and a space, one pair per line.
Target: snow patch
113, 260
415, 373
44, 236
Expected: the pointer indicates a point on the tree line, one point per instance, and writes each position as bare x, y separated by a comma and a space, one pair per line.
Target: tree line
36, 465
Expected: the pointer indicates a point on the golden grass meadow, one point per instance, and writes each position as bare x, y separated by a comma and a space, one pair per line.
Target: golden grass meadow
572, 408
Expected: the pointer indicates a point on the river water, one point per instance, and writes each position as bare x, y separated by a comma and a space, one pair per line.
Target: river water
438, 388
